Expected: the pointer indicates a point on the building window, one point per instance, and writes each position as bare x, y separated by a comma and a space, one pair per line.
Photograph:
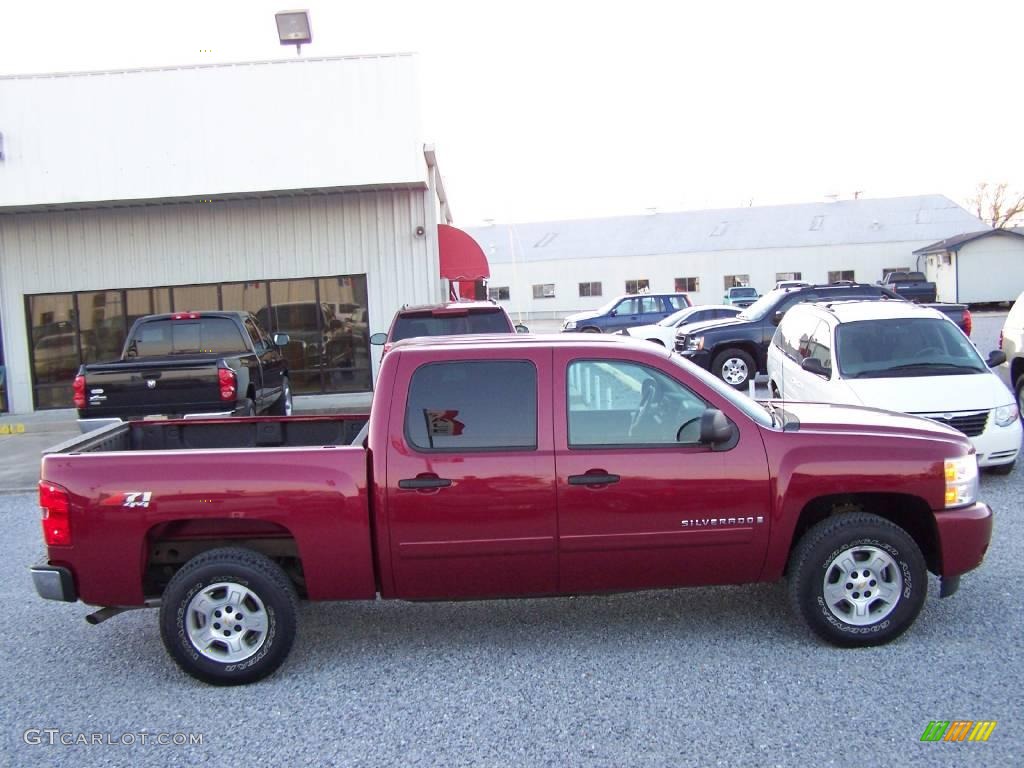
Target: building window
687, 285
736, 281
835, 276
947, 260
889, 270
637, 286
501, 293
590, 289
780, 276
544, 291
327, 319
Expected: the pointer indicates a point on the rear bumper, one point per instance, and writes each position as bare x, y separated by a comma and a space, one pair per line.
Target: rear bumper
964, 536
53, 582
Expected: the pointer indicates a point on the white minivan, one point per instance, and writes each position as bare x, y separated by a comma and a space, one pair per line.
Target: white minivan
901, 357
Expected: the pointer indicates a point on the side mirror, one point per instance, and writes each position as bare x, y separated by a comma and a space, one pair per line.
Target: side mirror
520, 328
777, 317
281, 339
613, 313
379, 339
715, 428
813, 365
996, 357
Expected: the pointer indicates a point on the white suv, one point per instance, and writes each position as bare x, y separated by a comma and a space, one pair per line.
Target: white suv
1011, 341
897, 356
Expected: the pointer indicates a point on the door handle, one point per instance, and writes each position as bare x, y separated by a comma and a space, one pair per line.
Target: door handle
593, 478
424, 482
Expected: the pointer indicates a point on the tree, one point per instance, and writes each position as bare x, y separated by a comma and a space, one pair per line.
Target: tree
994, 205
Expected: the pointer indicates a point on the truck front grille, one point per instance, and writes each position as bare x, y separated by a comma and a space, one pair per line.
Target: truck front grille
971, 424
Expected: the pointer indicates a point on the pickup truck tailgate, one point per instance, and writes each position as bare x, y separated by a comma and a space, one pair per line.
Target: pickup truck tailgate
151, 386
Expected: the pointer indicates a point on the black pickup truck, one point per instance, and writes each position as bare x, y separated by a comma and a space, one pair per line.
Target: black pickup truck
189, 363
912, 286
736, 349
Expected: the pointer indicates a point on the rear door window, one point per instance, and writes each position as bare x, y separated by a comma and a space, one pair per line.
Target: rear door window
473, 406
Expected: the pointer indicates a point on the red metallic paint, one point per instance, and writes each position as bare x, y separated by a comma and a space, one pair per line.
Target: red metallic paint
510, 524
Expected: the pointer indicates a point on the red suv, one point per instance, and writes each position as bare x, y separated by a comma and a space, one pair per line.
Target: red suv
449, 319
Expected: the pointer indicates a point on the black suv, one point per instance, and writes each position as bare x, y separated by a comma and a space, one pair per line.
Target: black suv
735, 350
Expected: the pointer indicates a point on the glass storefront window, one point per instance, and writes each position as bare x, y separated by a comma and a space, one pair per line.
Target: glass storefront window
326, 318
3, 376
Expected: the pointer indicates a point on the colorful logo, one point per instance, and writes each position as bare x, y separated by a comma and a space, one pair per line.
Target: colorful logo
958, 730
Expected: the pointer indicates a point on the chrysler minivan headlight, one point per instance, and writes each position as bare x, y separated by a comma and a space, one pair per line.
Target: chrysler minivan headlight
1005, 415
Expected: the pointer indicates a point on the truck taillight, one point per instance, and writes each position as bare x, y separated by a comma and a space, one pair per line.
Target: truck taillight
969, 325
56, 521
79, 387
228, 383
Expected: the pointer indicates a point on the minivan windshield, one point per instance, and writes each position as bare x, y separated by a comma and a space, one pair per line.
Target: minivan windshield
905, 346
425, 324
761, 307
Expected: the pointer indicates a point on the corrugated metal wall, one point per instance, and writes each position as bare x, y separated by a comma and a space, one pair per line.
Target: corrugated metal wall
371, 233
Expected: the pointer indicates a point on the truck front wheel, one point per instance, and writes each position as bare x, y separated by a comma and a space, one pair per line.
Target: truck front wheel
735, 367
857, 580
228, 616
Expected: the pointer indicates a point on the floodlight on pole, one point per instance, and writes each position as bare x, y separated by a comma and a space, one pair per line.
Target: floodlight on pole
293, 28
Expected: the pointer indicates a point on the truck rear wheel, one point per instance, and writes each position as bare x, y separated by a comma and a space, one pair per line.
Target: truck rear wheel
857, 580
228, 617
283, 405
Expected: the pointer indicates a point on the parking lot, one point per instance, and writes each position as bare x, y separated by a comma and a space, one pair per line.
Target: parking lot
712, 676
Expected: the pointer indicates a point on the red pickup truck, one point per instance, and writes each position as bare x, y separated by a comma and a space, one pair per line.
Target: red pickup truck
502, 466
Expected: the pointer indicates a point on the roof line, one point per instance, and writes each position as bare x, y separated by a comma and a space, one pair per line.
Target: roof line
225, 64
956, 242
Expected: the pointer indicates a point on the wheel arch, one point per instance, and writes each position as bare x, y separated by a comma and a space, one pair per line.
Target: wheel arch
911, 513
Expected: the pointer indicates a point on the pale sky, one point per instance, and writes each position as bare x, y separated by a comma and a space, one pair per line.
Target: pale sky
566, 109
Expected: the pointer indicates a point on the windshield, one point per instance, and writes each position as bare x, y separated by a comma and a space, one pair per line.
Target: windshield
675, 318
762, 306
487, 321
742, 292
750, 407
905, 347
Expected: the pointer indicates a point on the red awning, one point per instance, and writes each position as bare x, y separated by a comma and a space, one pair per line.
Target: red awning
461, 256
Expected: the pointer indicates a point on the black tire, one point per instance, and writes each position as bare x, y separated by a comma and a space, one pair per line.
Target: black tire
1002, 469
1018, 389
266, 593
283, 405
590, 329
734, 362
773, 391
857, 534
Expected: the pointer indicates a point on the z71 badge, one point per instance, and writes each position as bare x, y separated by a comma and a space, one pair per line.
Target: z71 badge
129, 499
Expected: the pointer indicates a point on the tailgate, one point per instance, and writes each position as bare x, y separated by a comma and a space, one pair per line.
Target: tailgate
159, 387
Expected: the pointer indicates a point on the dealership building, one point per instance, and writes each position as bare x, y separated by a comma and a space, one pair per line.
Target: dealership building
300, 190
548, 269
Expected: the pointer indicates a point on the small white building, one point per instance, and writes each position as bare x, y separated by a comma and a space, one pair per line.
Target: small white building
976, 267
300, 190
547, 269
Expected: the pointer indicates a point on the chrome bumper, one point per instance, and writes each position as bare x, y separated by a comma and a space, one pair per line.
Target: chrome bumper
54, 583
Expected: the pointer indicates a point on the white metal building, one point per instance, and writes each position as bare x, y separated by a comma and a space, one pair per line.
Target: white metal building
547, 269
976, 267
304, 185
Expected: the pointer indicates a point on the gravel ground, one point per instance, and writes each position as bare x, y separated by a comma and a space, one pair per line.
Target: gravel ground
711, 677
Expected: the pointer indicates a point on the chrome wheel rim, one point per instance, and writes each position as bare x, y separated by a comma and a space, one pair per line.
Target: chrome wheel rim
734, 371
287, 398
862, 585
226, 622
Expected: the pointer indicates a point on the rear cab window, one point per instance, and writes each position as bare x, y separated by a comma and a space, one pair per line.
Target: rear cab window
473, 405
207, 335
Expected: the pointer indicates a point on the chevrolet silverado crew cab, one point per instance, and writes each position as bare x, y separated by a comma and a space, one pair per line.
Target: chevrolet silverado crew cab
508, 466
